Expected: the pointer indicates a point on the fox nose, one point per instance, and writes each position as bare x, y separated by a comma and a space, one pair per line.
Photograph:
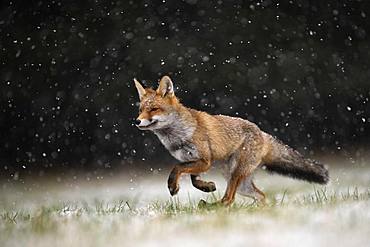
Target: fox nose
137, 121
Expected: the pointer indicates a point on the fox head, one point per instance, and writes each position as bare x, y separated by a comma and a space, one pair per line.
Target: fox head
157, 107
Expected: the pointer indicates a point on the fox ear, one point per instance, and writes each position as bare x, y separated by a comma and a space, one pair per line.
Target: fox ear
140, 89
165, 87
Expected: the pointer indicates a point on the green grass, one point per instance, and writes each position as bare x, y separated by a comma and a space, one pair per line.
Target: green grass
296, 214
40, 218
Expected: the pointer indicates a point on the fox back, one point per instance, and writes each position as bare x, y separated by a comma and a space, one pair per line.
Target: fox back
198, 138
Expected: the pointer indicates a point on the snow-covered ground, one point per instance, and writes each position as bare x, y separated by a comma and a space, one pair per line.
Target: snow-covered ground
124, 212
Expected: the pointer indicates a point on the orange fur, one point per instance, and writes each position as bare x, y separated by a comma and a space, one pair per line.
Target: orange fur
199, 139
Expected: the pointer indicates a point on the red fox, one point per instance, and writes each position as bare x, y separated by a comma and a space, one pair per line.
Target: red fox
198, 140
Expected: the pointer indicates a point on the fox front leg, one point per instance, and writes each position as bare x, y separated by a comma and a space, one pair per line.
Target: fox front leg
193, 167
201, 184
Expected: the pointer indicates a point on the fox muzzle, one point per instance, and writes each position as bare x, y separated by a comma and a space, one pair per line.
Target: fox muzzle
145, 123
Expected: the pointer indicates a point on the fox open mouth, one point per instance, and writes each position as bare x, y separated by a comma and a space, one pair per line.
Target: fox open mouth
149, 125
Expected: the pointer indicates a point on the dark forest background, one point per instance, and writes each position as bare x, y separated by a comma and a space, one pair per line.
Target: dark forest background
299, 69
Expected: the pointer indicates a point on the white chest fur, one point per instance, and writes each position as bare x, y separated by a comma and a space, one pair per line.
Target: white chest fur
177, 141
185, 154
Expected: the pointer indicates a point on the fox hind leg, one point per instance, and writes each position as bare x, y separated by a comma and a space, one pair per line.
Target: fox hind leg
241, 167
249, 189
232, 186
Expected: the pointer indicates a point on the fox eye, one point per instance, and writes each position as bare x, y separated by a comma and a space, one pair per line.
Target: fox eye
154, 109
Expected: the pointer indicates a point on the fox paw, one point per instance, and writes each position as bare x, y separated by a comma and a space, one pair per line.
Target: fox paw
203, 185
172, 184
208, 187
173, 189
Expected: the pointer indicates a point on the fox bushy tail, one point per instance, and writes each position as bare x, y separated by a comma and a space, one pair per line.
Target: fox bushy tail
288, 162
